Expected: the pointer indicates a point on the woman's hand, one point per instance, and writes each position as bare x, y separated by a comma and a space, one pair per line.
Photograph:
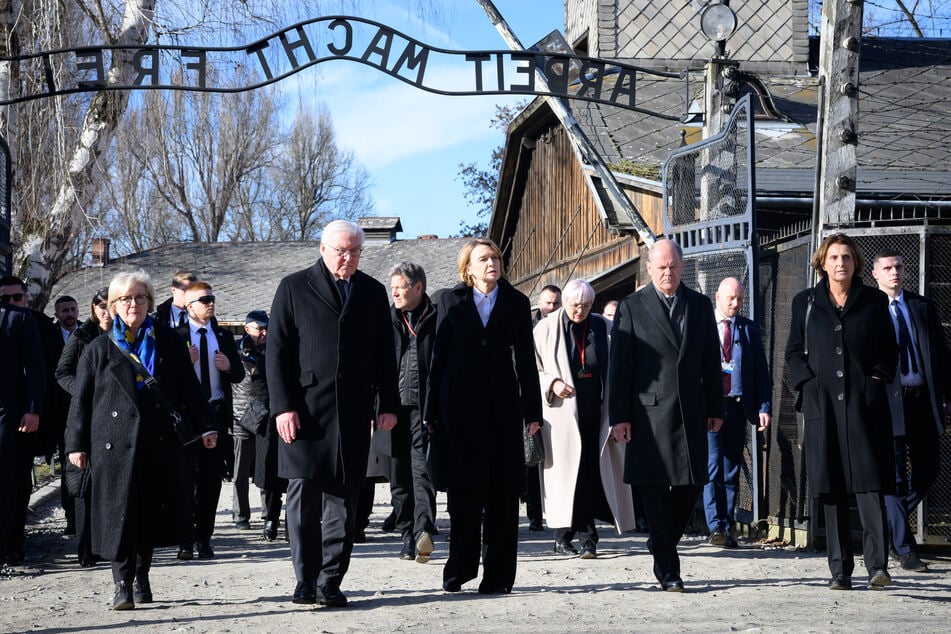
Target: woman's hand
562, 389
78, 459
533, 427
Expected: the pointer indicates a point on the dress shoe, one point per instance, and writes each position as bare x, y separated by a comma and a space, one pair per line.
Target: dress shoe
565, 548
389, 524
424, 548
589, 551
243, 525
408, 552
536, 526
88, 562
672, 585
332, 597
186, 552
717, 538
451, 586
305, 594
912, 563
494, 589
270, 531
204, 550
878, 579
123, 597
729, 541
142, 590
840, 582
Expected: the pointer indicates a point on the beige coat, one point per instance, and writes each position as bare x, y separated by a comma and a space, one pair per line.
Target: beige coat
562, 440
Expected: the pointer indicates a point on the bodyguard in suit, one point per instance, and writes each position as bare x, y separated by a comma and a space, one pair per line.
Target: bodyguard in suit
665, 395
918, 400
330, 355
22, 384
173, 311
747, 398
214, 353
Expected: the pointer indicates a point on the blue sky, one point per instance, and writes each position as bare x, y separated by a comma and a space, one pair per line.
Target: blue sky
412, 141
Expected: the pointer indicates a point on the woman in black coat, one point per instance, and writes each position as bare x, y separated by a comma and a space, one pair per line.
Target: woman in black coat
100, 321
842, 354
483, 388
118, 429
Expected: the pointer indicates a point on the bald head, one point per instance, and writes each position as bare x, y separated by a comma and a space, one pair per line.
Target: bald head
729, 297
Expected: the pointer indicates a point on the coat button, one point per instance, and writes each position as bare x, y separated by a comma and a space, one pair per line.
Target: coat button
115, 414
157, 406
839, 373
841, 397
838, 327
896, 394
838, 350
108, 445
484, 343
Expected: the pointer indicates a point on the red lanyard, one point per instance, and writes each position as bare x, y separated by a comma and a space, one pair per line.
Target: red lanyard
406, 321
584, 338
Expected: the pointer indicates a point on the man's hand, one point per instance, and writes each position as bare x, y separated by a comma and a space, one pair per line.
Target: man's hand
714, 424
193, 354
764, 420
533, 427
222, 362
29, 423
386, 421
562, 389
287, 425
78, 459
210, 441
621, 432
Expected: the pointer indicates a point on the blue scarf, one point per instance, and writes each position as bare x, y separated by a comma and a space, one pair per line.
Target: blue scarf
142, 346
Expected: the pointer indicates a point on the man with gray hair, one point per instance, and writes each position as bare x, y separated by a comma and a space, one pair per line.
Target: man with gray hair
330, 358
413, 316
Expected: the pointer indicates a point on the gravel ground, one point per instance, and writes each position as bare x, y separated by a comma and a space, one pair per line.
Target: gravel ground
247, 587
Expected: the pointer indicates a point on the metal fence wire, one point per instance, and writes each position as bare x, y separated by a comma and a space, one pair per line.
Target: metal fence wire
6, 185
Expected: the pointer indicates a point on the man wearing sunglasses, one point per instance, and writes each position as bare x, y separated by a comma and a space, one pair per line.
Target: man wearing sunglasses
22, 385
217, 365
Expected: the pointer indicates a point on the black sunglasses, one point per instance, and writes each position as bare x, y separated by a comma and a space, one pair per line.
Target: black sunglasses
204, 299
15, 297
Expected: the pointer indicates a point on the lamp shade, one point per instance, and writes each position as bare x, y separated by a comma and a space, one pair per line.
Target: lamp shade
718, 22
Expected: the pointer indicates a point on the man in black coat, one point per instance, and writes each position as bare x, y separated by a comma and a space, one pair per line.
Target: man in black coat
173, 312
414, 326
217, 365
665, 395
919, 400
22, 384
330, 357
747, 398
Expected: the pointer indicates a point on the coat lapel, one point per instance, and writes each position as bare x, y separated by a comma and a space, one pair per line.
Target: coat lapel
122, 371
658, 315
317, 281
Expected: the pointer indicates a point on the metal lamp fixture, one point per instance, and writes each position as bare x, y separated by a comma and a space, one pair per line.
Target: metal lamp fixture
718, 22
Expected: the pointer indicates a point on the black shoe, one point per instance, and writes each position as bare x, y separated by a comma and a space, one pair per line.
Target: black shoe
878, 579
408, 552
565, 548
186, 552
243, 525
142, 590
270, 531
912, 563
123, 598
730, 541
840, 582
717, 538
589, 552
494, 590
389, 524
332, 597
205, 551
305, 594
424, 548
672, 585
536, 526
451, 586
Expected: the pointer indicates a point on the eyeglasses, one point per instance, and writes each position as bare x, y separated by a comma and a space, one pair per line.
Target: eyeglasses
571, 306
102, 306
204, 299
126, 300
342, 253
16, 297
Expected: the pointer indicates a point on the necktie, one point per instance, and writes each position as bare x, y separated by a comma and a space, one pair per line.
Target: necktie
182, 318
203, 364
727, 346
344, 287
906, 354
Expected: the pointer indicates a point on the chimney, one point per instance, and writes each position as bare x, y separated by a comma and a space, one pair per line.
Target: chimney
99, 249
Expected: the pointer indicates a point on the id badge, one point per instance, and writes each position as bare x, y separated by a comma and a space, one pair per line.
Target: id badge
584, 373
727, 367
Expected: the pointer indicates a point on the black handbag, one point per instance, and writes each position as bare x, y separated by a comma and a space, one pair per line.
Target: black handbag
78, 481
255, 417
534, 447
180, 423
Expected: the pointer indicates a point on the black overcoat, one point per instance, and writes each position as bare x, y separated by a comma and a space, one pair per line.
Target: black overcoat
483, 388
664, 387
135, 457
329, 364
843, 380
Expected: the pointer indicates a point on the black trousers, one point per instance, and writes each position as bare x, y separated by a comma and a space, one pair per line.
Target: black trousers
321, 525
16, 462
209, 467
482, 517
917, 461
272, 505
533, 495
134, 556
411, 484
839, 532
667, 510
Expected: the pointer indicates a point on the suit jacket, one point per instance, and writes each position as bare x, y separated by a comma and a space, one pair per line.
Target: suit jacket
935, 357
23, 369
665, 387
329, 363
757, 382
843, 381
128, 438
229, 348
483, 388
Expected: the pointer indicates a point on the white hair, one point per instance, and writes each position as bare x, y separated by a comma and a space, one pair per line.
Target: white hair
335, 227
580, 289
